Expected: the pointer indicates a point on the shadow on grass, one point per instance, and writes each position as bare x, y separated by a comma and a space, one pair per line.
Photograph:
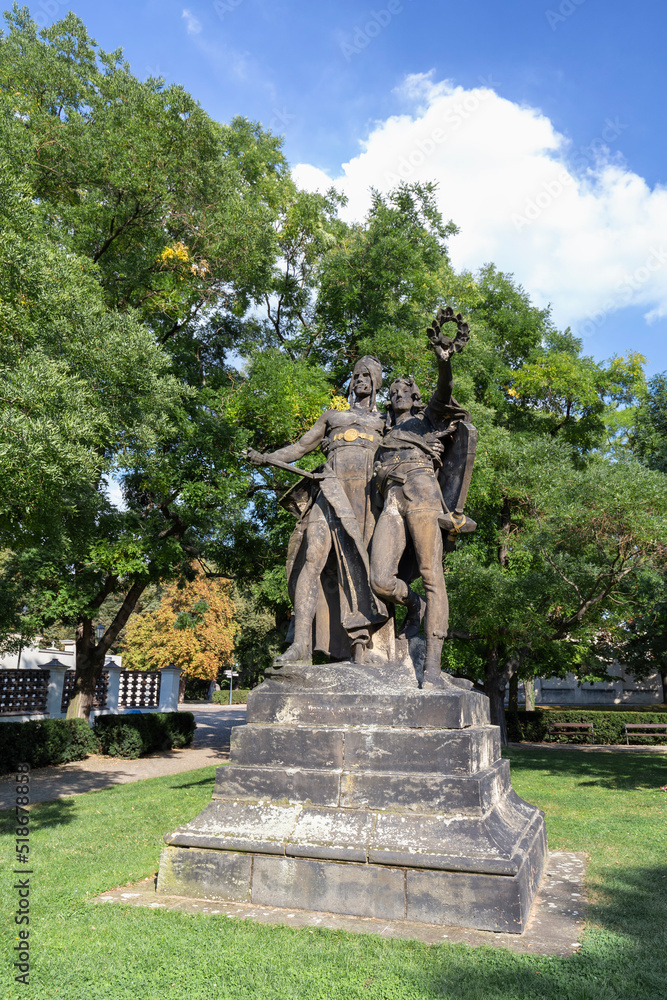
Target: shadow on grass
43, 815
58, 812
604, 769
623, 954
199, 783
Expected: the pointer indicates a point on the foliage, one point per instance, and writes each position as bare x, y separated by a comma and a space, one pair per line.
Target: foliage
649, 434
641, 642
381, 283
262, 616
193, 627
44, 742
134, 231
564, 532
132, 736
239, 696
173, 208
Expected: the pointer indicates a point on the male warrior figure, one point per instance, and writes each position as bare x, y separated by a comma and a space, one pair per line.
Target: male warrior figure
410, 528
339, 514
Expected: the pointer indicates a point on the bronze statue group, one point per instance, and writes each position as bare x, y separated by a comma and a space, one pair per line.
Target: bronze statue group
377, 515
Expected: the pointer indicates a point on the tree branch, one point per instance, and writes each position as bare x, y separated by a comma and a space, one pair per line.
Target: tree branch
115, 234
124, 612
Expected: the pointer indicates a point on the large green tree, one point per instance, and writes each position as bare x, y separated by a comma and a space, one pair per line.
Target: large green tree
564, 532
131, 223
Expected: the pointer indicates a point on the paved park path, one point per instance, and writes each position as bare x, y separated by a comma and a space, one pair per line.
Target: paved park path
210, 746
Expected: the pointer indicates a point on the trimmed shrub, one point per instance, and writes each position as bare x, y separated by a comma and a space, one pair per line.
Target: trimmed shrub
44, 742
239, 696
132, 736
609, 726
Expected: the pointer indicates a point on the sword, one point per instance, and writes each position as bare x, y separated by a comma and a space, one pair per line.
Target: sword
291, 468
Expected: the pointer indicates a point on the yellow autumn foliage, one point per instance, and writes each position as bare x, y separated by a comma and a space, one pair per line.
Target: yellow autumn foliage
338, 403
179, 252
152, 641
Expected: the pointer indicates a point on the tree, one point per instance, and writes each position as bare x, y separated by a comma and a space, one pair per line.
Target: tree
193, 627
563, 532
642, 642
648, 436
558, 567
131, 224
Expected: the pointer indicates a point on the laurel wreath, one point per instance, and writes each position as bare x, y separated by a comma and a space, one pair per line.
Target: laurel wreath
450, 344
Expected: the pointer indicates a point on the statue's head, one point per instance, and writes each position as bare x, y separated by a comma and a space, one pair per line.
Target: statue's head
404, 395
366, 379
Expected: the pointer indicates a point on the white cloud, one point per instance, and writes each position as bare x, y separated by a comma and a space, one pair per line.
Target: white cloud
114, 493
575, 226
193, 25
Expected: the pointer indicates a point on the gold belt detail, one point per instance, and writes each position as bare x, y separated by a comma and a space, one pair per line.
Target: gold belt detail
351, 434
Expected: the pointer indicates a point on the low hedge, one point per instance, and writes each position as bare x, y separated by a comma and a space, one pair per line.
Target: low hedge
131, 736
45, 741
239, 696
609, 726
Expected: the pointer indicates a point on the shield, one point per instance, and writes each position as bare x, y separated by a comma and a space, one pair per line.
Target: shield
456, 471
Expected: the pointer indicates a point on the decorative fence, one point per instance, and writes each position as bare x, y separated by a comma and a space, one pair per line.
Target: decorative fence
47, 692
139, 689
23, 692
101, 690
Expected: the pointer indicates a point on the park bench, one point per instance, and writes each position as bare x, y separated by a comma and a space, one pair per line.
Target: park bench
639, 729
571, 727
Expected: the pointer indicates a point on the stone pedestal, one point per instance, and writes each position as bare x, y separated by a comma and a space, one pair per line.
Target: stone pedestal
352, 791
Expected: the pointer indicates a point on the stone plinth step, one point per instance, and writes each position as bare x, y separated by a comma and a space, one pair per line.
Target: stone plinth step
414, 709
462, 899
486, 845
449, 795
367, 748
349, 694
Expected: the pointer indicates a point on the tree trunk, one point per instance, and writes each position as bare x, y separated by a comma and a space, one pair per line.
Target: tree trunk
90, 656
513, 705
529, 688
663, 678
89, 665
494, 687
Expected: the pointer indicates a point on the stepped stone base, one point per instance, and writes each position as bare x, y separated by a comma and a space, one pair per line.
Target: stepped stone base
352, 791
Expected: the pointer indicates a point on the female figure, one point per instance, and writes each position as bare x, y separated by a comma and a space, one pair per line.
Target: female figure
337, 518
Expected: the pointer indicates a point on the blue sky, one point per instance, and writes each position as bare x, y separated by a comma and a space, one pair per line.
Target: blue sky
541, 121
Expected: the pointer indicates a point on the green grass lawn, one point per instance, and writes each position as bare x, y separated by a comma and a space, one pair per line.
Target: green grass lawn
608, 805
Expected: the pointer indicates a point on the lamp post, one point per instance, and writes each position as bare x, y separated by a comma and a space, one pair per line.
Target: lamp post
99, 632
18, 661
